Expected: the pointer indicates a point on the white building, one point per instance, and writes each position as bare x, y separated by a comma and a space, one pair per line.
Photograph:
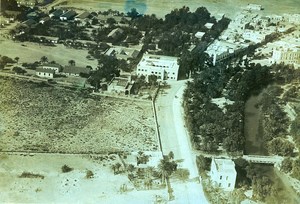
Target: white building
199, 35
253, 36
286, 56
164, 67
45, 73
55, 67
223, 173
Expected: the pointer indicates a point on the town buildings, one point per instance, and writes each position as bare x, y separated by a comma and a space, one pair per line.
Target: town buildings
223, 173
123, 52
286, 55
164, 67
121, 85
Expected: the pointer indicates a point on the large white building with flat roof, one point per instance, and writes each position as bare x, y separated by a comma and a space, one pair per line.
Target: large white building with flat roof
164, 67
223, 173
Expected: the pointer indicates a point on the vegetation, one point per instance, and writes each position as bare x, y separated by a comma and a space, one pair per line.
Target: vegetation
65, 169
286, 165
89, 174
281, 147
31, 175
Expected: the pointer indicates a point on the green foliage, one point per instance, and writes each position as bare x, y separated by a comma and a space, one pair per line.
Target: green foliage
89, 174
296, 169
65, 169
286, 165
280, 147
19, 70
31, 175
203, 163
262, 188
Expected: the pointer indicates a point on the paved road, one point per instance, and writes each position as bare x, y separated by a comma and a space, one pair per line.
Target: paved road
174, 137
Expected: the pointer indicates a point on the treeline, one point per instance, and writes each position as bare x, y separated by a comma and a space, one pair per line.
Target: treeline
209, 125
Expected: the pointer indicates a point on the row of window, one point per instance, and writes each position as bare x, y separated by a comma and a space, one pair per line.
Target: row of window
229, 184
226, 178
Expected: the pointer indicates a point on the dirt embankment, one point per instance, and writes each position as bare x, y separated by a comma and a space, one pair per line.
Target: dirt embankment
46, 119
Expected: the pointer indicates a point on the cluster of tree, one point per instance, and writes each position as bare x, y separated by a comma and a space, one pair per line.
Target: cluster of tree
281, 147
249, 174
108, 67
4, 60
19, 70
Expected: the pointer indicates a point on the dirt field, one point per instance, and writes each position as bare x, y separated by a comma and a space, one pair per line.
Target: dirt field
71, 187
47, 119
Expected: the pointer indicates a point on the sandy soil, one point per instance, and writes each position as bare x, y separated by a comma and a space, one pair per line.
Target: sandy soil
47, 119
71, 187
31, 52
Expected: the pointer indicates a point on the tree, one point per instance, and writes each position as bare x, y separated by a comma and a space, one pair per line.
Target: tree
44, 59
19, 70
166, 168
182, 174
17, 59
152, 79
71, 62
133, 13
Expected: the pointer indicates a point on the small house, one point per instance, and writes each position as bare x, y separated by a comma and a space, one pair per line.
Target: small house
209, 25
223, 173
56, 14
123, 52
121, 85
115, 33
75, 71
69, 15
45, 73
199, 35
83, 16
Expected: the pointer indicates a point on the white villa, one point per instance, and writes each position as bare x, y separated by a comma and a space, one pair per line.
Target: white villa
45, 73
286, 55
55, 67
223, 173
164, 67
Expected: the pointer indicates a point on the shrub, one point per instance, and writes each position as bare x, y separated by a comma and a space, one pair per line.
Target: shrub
31, 175
89, 174
65, 168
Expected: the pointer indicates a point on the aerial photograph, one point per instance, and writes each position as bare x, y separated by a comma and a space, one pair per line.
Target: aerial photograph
150, 101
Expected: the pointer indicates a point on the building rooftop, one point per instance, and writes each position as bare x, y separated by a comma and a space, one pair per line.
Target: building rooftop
123, 52
51, 71
225, 165
51, 65
76, 70
159, 61
83, 15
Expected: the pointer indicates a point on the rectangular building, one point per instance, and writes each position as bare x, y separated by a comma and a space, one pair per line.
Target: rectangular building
223, 173
164, 67
45, 73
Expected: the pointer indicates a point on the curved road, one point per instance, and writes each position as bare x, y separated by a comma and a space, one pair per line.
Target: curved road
174, 137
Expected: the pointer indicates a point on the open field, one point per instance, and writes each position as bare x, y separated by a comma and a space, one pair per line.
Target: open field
39, 118
31, 52
71, 187
162, 7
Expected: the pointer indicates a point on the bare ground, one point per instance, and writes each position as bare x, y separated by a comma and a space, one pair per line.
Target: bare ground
47, 119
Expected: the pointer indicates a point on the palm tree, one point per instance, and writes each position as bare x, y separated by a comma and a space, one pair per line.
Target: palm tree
44, 59
71, 62
166, 168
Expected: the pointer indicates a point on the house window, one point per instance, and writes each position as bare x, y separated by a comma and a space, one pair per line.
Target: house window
219, 184
229, 185
226, 178
220, 177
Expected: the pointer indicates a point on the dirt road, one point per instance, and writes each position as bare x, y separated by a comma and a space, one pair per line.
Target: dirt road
175, 138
